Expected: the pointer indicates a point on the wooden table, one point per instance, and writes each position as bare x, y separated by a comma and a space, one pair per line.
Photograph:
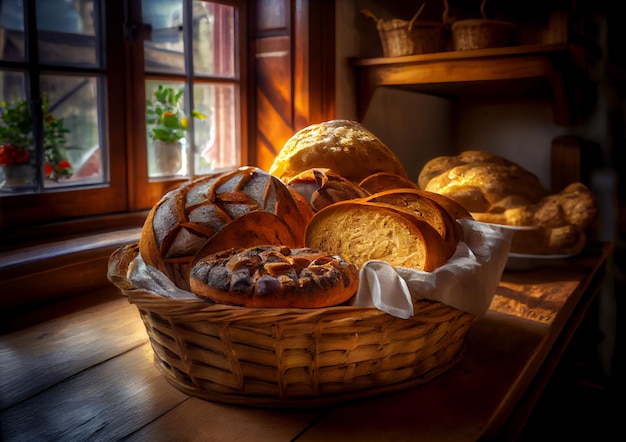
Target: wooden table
86, 372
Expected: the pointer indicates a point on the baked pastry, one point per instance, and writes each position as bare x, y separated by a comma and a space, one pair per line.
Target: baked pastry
188, 216
495, 190
343, 146
575, 205
321, 187
481, 182
274, 276
360, 231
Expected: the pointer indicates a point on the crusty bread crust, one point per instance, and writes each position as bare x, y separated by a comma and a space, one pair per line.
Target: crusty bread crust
322, 186
274, 277
344, 146
379, 181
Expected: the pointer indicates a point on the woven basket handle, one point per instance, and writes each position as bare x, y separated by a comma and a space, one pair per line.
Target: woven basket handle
416, 15
369, 14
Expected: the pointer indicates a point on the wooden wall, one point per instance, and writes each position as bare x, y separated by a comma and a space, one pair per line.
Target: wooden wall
292, 54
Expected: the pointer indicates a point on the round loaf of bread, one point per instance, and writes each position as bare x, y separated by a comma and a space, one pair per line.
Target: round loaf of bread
180, 224
343, 146
481, 182
274, 277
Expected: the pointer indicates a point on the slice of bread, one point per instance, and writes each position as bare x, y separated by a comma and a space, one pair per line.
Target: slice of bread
361, 231
423, 208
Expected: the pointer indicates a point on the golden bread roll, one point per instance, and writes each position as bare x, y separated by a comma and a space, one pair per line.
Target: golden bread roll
562, 220
188, 216
479, 180
362, 231
380, 181
343, 146
321, 187
274, 276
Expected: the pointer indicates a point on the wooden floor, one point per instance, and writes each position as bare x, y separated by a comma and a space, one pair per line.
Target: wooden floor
83, 370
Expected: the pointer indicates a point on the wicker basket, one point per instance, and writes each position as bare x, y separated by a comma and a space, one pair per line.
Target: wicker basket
291, 357
400, 37
481, 33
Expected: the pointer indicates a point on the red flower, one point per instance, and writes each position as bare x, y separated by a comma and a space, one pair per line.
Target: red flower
48, 169
9, 155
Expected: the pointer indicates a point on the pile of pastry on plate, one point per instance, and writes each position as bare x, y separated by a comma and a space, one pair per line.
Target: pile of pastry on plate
497, 190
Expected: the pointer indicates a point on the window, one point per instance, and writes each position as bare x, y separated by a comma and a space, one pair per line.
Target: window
75, 80
180, 59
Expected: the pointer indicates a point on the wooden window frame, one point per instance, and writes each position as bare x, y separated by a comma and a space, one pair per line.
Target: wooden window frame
124, 200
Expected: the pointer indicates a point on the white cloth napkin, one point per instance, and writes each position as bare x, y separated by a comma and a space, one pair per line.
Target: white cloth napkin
467, 281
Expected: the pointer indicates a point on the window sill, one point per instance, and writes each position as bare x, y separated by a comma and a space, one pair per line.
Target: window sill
36, 275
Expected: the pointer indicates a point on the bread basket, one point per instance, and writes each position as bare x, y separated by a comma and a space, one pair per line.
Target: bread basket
291, 357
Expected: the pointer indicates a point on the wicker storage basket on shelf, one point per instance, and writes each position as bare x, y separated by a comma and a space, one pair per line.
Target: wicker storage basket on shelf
291, 357
481, 34
401, 37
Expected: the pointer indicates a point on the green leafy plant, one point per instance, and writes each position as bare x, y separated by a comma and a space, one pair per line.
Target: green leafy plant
16, 125
165, 117
16, 137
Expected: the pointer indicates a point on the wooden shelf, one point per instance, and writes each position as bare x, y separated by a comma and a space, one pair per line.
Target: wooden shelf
562, 70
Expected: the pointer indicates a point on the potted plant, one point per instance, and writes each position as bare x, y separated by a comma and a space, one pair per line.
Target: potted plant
15, 144
167, 125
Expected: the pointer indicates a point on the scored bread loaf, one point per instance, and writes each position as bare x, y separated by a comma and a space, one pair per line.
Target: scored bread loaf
321, 187
274, 276
188, 216
344, 146
360, 231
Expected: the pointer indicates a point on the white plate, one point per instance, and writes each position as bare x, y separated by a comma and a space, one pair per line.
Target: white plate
506, 226
526, 261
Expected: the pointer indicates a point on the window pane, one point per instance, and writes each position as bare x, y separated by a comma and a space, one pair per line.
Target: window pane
216, 136
164, 48
17, 159
213, 39
72, 146
166, 129
12, 30
66, 32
